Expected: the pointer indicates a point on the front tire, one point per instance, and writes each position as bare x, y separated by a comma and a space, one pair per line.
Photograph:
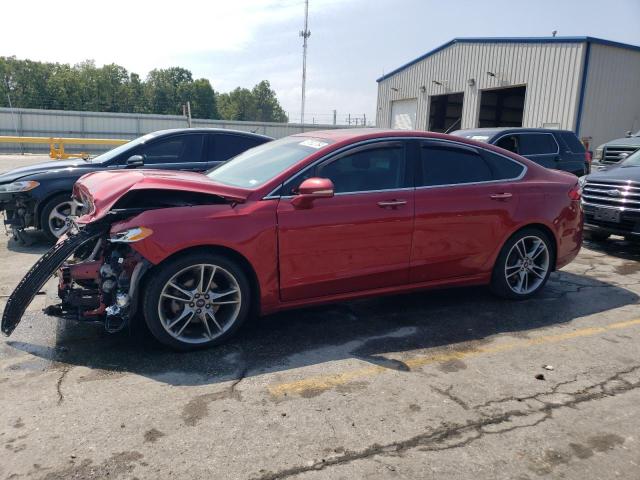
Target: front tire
524, 265
196, 301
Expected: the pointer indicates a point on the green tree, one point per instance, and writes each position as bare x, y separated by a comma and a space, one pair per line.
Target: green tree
267, 107
110, 88
203, 100
238, 104
259, 104
166, 89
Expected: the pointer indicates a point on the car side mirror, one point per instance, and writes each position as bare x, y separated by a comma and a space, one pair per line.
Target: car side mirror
311, 189
135, 161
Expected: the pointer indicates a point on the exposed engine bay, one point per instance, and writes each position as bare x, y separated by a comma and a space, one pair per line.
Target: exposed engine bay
100, 286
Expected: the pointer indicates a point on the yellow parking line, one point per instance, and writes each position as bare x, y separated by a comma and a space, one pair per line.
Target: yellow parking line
320, 383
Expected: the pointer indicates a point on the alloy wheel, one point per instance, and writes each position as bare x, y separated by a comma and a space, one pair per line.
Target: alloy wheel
58, 223
199, 303
527, 265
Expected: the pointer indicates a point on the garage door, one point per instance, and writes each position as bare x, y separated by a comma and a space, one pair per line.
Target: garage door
403, 114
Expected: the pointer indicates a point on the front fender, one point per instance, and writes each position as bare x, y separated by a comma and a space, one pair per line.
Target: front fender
248, 229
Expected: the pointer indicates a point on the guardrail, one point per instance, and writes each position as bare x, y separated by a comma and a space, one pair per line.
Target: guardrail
56, 144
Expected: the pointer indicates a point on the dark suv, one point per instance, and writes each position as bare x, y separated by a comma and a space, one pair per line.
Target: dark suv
40, 195
557, 149
611, 200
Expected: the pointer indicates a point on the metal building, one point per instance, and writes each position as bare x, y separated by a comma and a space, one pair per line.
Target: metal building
584, 84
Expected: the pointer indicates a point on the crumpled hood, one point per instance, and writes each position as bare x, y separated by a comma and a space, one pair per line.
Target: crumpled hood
103, 189
46, 167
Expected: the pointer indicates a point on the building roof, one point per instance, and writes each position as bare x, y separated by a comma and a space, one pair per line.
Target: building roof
599, 41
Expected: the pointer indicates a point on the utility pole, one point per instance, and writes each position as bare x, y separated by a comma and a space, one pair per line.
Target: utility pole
364, 119
335, 115
189, 113
305, 34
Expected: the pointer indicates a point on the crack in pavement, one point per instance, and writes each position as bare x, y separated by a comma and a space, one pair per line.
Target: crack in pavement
198, 407
449, 435
65, 370
447, 393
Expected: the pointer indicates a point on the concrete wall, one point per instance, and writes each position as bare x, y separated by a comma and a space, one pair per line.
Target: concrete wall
550, 71
48, 123
612, 94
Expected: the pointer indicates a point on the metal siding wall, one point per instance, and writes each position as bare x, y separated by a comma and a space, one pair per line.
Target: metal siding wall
551, 73
57, 123
612, 96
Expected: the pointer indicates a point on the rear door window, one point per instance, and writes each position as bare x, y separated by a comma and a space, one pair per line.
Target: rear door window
536, 144
175, 149
223, 146
451, 166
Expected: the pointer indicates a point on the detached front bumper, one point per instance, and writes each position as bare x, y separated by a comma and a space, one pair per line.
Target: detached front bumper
44, 268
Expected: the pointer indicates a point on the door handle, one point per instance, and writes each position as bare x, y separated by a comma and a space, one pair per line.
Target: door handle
391, 203
501, 196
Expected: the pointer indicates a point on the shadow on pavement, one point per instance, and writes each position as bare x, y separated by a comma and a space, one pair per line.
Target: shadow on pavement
33, 242
364, 329
616, 247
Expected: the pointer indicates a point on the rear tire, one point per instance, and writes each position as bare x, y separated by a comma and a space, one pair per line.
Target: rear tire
196, 301
596, 236
523, 265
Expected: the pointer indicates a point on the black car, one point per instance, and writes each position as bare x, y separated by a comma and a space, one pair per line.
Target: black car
557, 149
611, 200
40, 195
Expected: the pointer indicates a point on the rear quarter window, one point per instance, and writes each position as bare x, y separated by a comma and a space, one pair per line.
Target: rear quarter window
572, 141
502, 167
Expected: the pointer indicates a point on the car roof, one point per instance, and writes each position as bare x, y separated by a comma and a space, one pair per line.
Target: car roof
490, 131
168, 131
353, 134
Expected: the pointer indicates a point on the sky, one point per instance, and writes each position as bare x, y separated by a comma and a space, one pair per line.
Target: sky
241, 42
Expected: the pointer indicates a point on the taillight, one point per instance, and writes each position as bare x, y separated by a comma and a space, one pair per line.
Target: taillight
575, 193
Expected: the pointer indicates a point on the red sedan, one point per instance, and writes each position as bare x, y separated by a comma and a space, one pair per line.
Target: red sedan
308, 219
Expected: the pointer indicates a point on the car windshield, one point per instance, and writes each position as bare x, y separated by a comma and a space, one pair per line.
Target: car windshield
111, 154
258, 165
632, 160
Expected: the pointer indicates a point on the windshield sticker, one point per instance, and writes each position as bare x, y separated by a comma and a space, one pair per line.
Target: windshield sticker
313, 143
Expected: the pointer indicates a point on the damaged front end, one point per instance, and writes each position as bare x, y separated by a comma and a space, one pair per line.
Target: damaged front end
97, 275
101, 287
